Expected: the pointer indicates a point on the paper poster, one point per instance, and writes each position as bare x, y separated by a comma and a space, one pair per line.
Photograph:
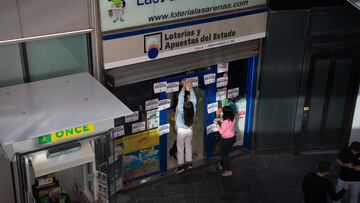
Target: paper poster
164, 129
164, 104
232, 93
119, 131
222, 82
137, 127
211, 108
194, 81
209, 78
102, 185
160, 87
222, 67
221, 94
132, 117
211, 128
151, 104
141, 141
172, 87
152, 119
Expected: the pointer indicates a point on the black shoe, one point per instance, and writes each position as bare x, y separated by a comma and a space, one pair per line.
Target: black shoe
189, 166
180, 169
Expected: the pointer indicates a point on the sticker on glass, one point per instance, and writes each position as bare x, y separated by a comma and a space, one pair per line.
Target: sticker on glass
137, 127
209, 78
132, 117
164, 129
172, 87
222, 82
160, 87
164, 104
222, 67
151, 104
211, 108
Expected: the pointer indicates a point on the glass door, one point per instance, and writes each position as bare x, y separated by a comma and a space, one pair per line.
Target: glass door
329, 98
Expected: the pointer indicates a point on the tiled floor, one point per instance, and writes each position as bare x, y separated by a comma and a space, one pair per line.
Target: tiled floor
256, 178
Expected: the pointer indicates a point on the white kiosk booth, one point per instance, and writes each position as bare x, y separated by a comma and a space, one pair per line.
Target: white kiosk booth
57, 136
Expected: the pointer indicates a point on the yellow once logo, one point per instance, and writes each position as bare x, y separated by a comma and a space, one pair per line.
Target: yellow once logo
72, 132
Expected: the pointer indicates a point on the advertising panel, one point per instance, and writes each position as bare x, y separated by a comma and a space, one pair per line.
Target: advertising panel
157, 44
119, 14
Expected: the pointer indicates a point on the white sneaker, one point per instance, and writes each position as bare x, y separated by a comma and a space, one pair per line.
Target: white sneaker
226, 173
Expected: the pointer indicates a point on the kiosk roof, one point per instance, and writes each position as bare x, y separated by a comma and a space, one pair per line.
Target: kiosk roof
30, 110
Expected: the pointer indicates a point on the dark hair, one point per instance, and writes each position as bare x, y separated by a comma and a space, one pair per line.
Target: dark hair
355, 146
324, 166
188, 113
187, 93
228, 113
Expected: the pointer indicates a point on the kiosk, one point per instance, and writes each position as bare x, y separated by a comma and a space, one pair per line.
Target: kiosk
57, 134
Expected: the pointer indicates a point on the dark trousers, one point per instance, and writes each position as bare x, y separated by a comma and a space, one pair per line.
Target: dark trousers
225, 147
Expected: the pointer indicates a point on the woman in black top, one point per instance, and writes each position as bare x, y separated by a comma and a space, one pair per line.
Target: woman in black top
316, 187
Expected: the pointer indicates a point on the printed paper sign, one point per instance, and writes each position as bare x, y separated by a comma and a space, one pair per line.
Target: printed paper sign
151, 104
221, 94
222, 82
160, 87
137, 127
232, 93
152, 118
194, 81
211, 108
209, 78
119, 131
222, 67
211, 128
172, 87
164, 104
102, 185
164, 129
132, 117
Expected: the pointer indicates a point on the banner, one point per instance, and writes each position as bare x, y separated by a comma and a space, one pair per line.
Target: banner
119, 14
159, 44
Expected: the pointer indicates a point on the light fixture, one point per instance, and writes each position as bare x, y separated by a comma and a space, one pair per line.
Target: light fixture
355, 3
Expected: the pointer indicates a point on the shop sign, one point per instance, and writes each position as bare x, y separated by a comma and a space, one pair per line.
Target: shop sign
119, 14
157, 43
65, 134
209, 78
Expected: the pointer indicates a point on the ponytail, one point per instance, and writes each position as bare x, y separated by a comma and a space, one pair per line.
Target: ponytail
188, 113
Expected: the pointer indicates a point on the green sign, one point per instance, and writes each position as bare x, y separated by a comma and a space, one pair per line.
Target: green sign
44, 139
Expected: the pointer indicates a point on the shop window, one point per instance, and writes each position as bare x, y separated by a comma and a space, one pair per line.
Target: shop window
58, 57
10, 65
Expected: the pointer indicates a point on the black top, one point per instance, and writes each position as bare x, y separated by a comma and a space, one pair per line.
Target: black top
316, 187
346, 156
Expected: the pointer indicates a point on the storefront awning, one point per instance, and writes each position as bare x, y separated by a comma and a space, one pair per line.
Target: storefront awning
30, 110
